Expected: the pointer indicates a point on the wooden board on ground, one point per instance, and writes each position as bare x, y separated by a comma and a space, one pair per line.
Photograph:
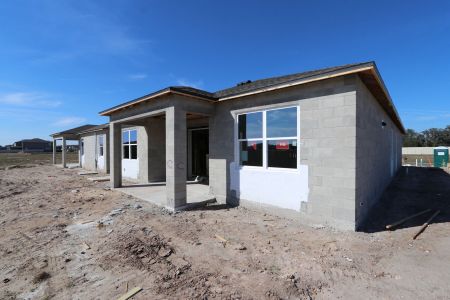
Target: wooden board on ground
87, 173
131, 293
99, 179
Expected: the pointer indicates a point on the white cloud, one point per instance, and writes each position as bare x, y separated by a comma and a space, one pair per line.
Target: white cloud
137, 76
70, 121
25, 99
195, 84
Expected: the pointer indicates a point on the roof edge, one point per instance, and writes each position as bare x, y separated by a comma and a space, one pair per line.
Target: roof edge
165, 91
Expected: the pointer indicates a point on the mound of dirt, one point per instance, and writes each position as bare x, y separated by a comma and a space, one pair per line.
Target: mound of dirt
142, 251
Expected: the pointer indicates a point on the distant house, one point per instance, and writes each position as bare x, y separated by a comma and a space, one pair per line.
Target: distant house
32, 145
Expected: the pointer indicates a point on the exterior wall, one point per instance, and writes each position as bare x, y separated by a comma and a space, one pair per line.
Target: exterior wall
378, 152
91, 150
146, 118
327, 152
418, 150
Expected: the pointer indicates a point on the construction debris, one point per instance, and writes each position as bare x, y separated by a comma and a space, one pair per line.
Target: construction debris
425, 225
224, 241
99, 179
131, 293
391, 226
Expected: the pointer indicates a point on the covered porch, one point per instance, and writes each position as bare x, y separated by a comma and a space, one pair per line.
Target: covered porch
166, 152
62, 140
196, 194
63, 137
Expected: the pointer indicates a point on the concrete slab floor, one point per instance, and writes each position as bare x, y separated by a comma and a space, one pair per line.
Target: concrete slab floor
197, 194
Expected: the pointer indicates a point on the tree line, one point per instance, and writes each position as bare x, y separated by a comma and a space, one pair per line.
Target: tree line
432, 137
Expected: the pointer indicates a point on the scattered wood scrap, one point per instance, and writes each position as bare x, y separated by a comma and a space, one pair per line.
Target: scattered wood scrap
425, 225
391, 226
86, 246
130, 294
99, 179
223, 240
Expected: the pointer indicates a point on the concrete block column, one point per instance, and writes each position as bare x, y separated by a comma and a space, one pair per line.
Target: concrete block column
63, 153
54, 151
176, 146
115, 154
79, 153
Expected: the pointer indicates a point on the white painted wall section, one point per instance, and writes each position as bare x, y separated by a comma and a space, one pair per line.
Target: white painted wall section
130, 168
285, 189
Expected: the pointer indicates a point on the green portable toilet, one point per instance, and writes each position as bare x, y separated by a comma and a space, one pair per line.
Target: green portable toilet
440, 157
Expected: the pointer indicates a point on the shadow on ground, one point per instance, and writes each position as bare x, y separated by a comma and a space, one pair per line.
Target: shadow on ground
412, 190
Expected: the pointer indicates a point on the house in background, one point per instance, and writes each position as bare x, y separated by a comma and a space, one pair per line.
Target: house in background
93, 146
320, 145
31, 145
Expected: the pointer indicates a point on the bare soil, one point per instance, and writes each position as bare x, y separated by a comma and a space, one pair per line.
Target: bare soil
39, 158
63, 237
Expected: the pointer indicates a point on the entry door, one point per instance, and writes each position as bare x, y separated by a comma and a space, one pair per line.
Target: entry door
200, 152
100, 152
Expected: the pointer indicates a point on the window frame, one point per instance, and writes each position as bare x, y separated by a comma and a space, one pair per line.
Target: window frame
265, 139
129, 143
101, 146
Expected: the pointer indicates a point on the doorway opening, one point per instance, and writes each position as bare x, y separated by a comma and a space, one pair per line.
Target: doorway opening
198, 152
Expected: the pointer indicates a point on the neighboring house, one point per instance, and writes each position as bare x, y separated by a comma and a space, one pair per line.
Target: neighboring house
32, 145
321, 145
93, 146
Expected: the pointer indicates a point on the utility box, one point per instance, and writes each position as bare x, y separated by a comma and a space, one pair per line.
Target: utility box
440, 157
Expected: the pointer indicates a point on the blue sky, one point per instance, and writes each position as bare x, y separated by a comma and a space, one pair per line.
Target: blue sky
61, 62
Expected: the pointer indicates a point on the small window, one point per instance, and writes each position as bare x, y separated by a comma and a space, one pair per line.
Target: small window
282, 154
251, 153
126, 151
282, 122
100, 145
129, 141
250, 126
133, 151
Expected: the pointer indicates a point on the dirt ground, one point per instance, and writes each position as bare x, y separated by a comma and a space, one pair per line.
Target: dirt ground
64, 237
41, 158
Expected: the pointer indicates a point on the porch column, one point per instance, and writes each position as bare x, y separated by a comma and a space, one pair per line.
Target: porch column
54, 151
79, 153
175, 158
63, 152
115, 150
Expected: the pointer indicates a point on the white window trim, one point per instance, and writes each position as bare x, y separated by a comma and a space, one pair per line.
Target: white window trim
264, 139
101, 146
129, 144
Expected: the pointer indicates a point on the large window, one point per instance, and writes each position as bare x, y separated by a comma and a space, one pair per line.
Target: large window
129, 144
100, 145
269, 138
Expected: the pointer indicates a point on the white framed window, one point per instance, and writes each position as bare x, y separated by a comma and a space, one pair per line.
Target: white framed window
129, 144
100, 145
269, 138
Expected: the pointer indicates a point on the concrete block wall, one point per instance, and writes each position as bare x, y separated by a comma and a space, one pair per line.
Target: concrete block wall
90, 152
378, 151
156, 131
328, 137
327, 145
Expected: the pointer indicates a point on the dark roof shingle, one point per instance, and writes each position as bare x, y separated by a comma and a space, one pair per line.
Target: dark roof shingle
273, 81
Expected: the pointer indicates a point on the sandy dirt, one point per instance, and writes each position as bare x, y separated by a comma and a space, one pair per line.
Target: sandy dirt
64, 237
